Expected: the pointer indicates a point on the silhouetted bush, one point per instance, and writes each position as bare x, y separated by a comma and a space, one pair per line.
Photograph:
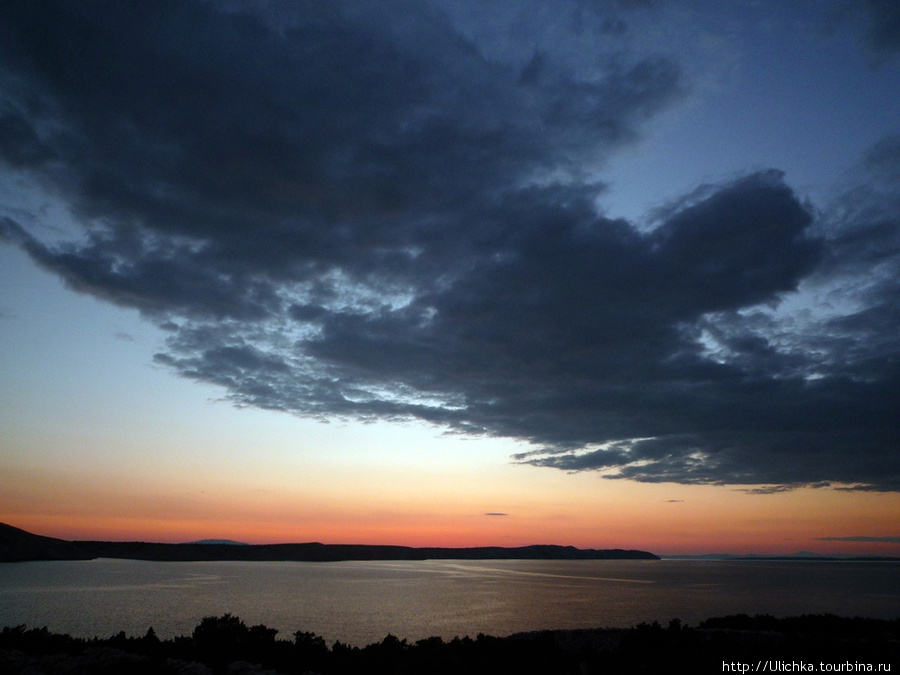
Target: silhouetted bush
225, 644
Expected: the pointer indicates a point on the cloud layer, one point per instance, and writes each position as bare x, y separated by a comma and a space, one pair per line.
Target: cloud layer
372, 210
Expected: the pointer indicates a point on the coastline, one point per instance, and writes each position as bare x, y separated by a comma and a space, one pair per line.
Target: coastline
17, 545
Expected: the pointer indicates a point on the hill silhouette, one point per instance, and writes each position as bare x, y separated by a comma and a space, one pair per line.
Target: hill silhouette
18, 545
219, 541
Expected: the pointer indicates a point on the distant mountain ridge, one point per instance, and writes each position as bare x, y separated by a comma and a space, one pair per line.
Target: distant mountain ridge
18, 545
229, 542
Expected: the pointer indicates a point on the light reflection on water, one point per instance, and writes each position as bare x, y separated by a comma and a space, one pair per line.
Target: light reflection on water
361, 602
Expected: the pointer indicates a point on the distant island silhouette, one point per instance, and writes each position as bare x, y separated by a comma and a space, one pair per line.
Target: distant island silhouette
17, 545
219, 541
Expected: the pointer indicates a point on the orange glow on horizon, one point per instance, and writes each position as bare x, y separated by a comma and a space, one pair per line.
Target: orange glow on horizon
676, 528
445, 506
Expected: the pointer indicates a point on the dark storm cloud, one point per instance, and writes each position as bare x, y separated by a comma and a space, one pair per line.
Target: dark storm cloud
884, 26
19, 144
878, 23
367, 210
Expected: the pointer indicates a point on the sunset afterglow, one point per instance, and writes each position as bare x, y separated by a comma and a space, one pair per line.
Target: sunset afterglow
607, 275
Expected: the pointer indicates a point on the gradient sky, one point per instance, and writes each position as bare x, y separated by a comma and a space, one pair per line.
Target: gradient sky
611, 274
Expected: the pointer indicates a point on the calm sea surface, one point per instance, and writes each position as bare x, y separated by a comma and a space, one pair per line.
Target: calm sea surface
361, 602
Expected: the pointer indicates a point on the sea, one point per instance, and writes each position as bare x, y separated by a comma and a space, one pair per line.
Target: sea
359, 603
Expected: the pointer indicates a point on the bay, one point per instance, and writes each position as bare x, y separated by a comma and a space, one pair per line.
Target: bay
361, 602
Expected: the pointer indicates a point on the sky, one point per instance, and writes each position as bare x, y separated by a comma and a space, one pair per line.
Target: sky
616, 274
